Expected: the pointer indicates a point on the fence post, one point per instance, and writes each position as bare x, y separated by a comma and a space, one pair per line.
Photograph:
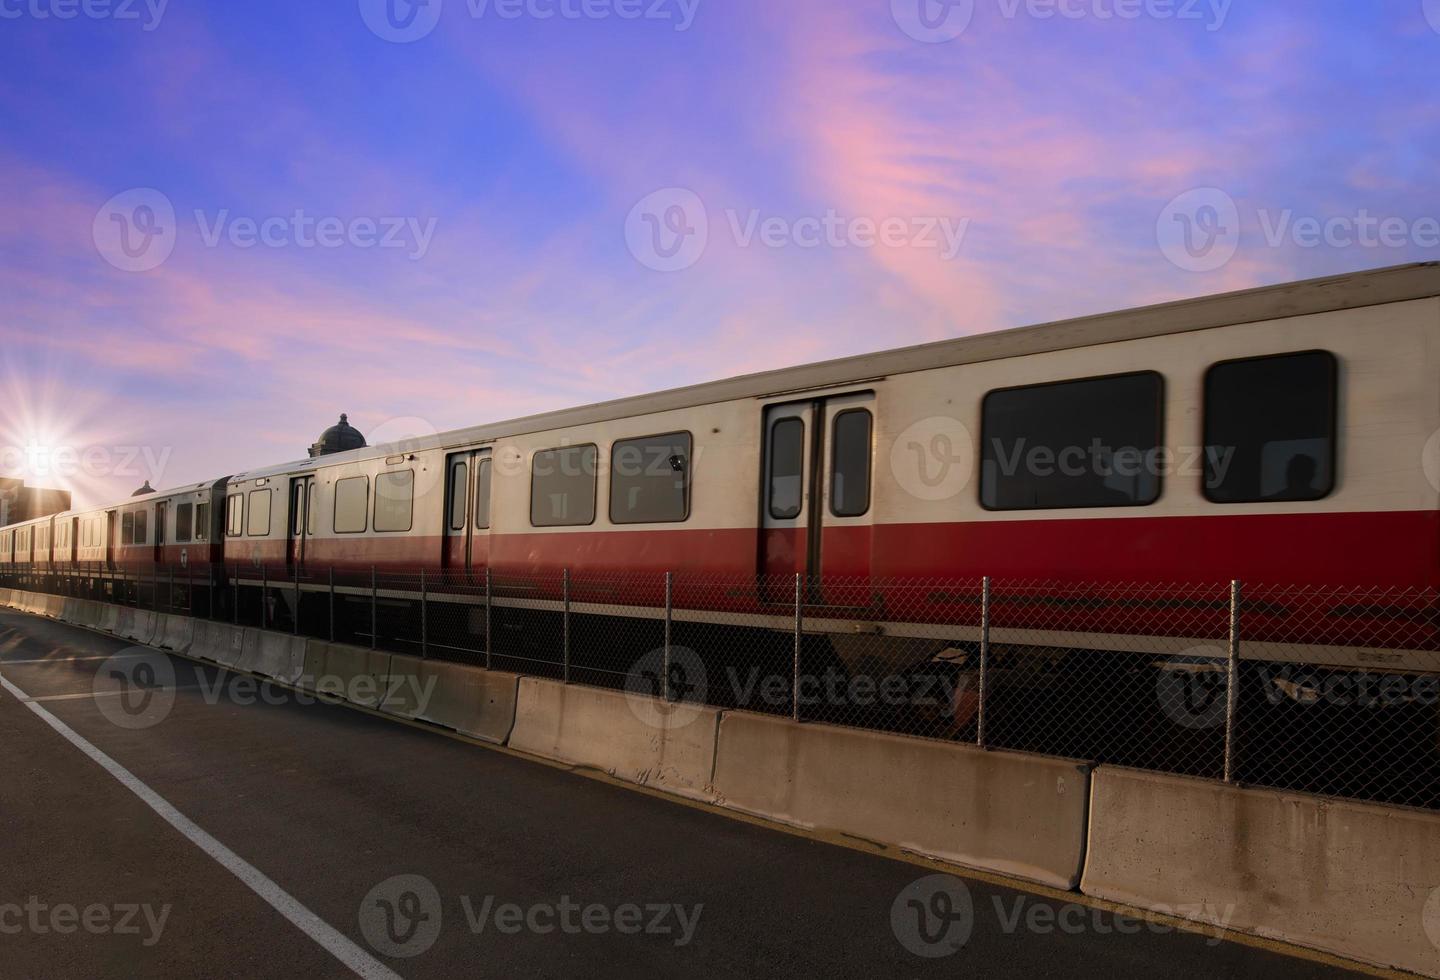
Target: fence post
264, 596
795, 657
424, 617
565, 586
189, 589
235, 609
984, 660
1232, 682
374, 621
295, 619
489, 646
170, 591
332, 603
154, 588
210, 591
669, 617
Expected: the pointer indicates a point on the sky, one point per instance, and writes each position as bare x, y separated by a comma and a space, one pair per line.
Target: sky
224, 224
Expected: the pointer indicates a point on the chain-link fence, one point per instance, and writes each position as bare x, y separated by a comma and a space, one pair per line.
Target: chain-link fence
1325, 690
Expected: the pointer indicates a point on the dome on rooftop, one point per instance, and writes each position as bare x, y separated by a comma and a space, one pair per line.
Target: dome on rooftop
339, 438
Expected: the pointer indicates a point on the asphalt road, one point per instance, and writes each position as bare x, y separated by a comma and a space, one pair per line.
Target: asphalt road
264, 834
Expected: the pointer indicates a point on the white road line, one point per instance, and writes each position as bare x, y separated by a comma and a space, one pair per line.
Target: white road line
81, 695
72, 660
333, 941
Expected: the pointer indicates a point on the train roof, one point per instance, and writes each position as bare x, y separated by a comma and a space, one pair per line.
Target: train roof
1343, 292
1350, 291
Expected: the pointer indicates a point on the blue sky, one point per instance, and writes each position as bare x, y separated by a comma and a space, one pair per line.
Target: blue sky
516, 205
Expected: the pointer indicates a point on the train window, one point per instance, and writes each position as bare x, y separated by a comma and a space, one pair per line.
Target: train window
482, 494
127, 527
850, 464
258, 522
394, 500
234, 515
142, 531
1090, 443
184, 522
650, 479
1270, 428
459, 494
310, 505
787, 466
202, 522
562, 487
352, 504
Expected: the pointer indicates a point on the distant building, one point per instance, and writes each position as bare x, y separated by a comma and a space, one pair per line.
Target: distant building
339, 438
21, 503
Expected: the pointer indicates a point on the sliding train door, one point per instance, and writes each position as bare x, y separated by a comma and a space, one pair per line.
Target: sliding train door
467, 511
816, 514
302, 521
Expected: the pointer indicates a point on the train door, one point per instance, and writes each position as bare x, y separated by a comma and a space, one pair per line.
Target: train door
302, 520
112, 533
467, 510
816, 508
162, 511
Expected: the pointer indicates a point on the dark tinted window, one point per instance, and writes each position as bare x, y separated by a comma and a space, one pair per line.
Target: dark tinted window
184, 518
202, 522
1091, 443
787, 467
127, 527
1270, 428
650, 479
258, 520
459, 494
394, 500
142, 529
352, 498
850, 464
562, 487
482, 493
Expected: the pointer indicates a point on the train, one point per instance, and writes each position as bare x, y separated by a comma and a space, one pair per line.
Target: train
1283, 436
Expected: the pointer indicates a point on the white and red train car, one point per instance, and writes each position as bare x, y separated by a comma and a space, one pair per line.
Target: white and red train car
1277, 436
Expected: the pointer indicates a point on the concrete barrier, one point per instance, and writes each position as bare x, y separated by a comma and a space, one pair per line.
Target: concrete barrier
1021, 815
354, 674
5, 596
136, 625
270, 654
54, 606
475, 702
109, 620
1356, 879
174, 633
88, 612
219, 643
637, 739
